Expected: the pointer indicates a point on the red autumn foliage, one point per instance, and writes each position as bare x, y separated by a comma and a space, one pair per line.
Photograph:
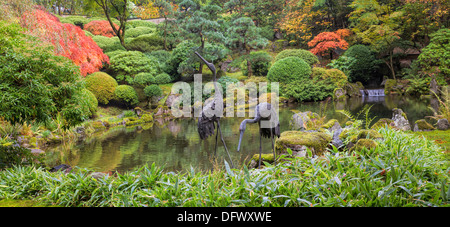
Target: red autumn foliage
101, 27
326, 42
68, 40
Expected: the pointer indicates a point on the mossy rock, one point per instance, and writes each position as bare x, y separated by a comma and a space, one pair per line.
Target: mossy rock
264, 158
330, 124
422, 125
339, 94
382, 123
353, 89
317, 142
98, 125
370, 134
389, 87
147, 118
362, 134
136, 122
364, 143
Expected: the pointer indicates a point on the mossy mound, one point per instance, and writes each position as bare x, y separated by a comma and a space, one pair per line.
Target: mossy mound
365, 143
382, 123
317, 142
329, 125
422, 125
147, 118
362, 134
353, 89
264, 158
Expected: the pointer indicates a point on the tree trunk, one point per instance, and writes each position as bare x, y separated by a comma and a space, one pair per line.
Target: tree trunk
249, 64
165, 33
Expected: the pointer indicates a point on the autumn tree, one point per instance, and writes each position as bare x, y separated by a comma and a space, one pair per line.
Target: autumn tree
326, 43
379, 26
300, 19
68, 40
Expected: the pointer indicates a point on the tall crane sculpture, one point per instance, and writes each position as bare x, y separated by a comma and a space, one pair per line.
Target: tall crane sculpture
208, 120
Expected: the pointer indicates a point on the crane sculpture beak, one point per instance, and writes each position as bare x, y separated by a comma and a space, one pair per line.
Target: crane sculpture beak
240, 139
210, 65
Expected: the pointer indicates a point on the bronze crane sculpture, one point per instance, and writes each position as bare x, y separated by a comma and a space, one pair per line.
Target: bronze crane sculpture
271, 131
208, 120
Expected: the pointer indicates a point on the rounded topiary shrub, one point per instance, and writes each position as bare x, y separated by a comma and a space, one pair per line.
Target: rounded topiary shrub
146, 43
127, 95
260, 63
102, 86
143, 79
153, 90
307, 56
289, 69
163, 78
131, 63
138, 31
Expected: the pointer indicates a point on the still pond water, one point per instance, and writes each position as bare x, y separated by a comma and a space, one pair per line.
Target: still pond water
176, 146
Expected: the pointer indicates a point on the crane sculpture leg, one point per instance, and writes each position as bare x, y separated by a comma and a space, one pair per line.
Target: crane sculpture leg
224, 145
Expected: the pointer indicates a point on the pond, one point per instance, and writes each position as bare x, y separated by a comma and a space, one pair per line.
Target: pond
176, 146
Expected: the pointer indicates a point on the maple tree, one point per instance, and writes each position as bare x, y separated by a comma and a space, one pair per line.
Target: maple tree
101, 27
68, 40
326, 43
300, 17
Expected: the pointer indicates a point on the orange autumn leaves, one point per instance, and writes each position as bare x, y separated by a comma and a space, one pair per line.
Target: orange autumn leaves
101, 27
326, 42
68, 40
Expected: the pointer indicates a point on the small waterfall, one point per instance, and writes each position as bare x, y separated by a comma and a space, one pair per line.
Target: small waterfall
372, 92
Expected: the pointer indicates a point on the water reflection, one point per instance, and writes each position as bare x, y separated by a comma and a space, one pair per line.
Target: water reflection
176, 145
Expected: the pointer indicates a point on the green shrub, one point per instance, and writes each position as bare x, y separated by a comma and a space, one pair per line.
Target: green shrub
140, 23
146, 43
143, 79
153, 91
114, 53
108, 44
335, 76
307, 56
308, 89
435, 58
88, 102
163, 57
79, 21
34, 83
267, 32
223, 80
138, 31
260, 63
130, 63
289, 69
102, 86
163, 78
358, 63
126, 94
